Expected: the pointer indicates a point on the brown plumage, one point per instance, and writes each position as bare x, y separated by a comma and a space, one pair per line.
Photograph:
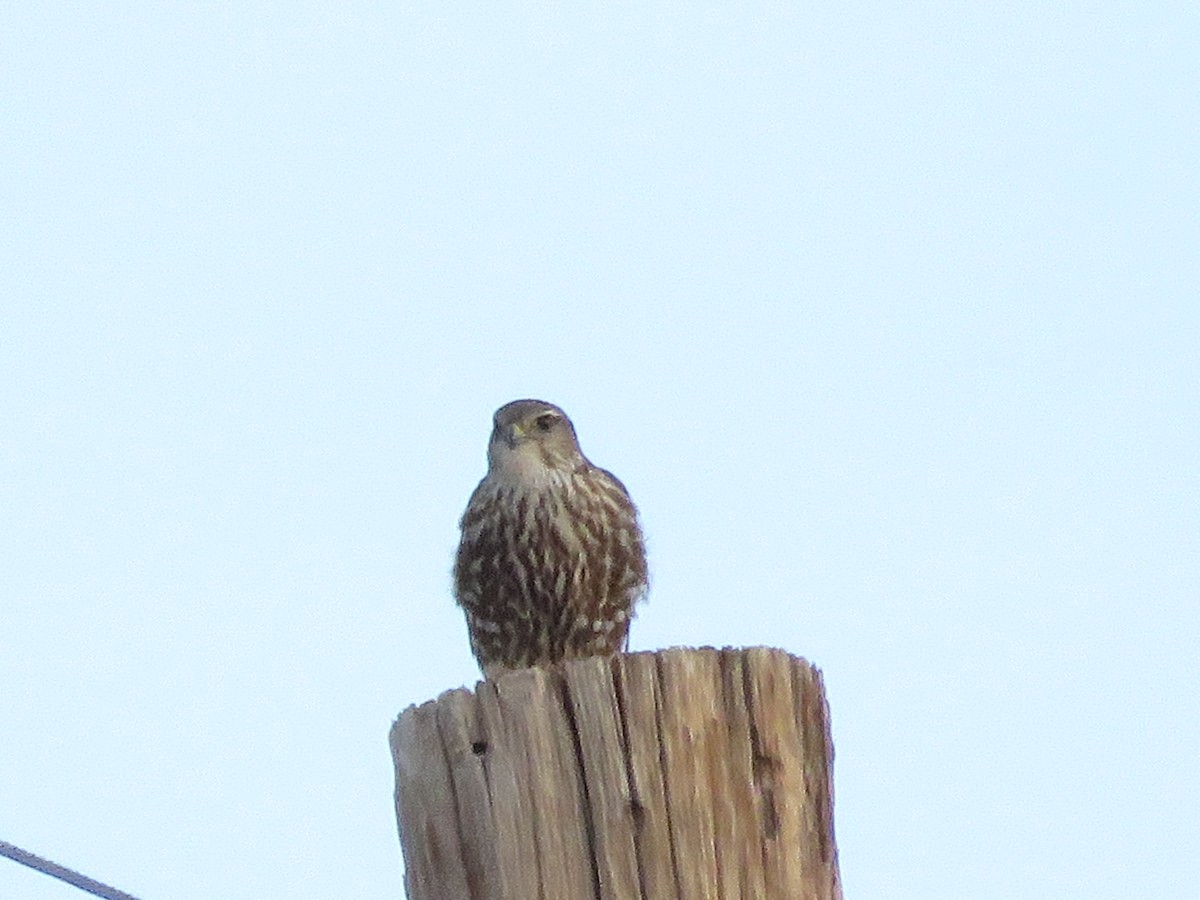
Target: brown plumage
551, 560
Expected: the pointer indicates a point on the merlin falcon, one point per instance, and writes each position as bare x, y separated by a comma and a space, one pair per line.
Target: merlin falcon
551, 561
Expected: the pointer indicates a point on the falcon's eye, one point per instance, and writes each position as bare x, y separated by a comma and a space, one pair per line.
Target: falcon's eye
545, 421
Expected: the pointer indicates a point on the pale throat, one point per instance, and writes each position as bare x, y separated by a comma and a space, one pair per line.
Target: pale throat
524, 466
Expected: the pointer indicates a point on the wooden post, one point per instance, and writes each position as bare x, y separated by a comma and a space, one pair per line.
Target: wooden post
680, 774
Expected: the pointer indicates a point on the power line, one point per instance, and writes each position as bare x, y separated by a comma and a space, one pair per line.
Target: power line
62, 873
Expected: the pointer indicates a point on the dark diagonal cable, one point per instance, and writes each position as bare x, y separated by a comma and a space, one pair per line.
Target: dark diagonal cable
62, 873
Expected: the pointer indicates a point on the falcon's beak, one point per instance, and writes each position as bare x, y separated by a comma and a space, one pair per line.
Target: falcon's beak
513, 434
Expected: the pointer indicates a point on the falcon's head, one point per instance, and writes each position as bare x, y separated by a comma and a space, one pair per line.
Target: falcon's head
532, 442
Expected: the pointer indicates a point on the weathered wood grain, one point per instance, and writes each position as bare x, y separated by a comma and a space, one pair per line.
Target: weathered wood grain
435, 865
658, 776
599, 733
639, 697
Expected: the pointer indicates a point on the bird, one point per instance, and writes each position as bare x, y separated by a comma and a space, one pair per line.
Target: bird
551, 560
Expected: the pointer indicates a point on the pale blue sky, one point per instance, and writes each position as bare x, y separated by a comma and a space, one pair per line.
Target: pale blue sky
887, 315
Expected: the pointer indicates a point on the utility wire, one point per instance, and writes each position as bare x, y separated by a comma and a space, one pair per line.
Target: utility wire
62, 873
